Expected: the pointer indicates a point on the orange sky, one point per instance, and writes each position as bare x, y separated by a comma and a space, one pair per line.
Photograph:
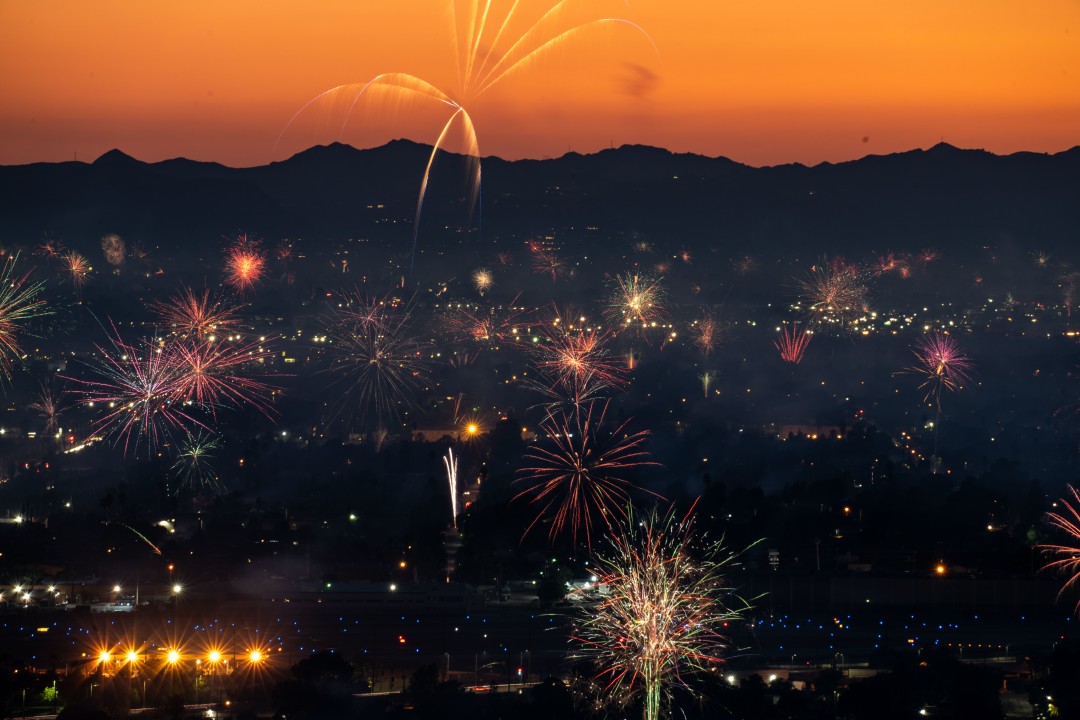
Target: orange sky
760, 81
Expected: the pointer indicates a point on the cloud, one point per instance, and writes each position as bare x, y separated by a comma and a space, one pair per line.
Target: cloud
638, 81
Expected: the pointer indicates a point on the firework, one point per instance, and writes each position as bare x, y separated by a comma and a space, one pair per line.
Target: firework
891, 262
686, 256
21, 304
636, 301
208, 374
378, 362
546, 262
706, 382
75, 268
139, 253
1042, 259
707, 334
792, 343
1070, 284
941, 364
1065, 559
451, 478
487, 53
575, 364
497, 324
927, 256
662, 614
50, 405
155, 548
50, 248
137, 385
114, 249
835, 293
582, 471
197, 313
193, 466
245, 263
482, 280
744, 265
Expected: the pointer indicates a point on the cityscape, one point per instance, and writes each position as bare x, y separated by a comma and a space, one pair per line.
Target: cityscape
353, 418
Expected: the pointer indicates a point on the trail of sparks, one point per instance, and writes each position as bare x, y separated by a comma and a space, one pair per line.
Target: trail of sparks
792, 343
142, 537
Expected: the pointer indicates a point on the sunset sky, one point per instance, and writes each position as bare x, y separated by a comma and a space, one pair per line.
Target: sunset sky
760, 81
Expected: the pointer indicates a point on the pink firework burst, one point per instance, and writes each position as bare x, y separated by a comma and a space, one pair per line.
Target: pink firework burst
942, 364
137, 388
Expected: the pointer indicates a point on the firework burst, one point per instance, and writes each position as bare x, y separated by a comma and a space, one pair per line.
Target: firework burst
662, 616
21, 304
835, 293
792, 343
114, 249
707, 334
49, 406
637, 301
485, 325
581, 472
482, 280
941, 364
50, 248
574, 365
245, 264
197, 313
546, 262
194, 463
208, 375
137, 385
379, 363
1065, 559
75, 268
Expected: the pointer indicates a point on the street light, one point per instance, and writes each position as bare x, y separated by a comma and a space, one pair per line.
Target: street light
255, 657
173, 657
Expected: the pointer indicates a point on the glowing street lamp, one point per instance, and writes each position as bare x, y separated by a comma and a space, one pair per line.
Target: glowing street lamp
132, 657
172, 657
255, 657
214, 657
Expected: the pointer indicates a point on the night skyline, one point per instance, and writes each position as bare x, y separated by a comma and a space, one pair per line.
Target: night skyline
314, 406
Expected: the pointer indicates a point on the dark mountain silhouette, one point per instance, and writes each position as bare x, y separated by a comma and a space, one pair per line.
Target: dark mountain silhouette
954, 199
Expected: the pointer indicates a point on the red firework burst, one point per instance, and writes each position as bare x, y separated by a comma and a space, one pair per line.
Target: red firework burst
209, 375
245, 263
197, 313
1065, 558
580, 470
